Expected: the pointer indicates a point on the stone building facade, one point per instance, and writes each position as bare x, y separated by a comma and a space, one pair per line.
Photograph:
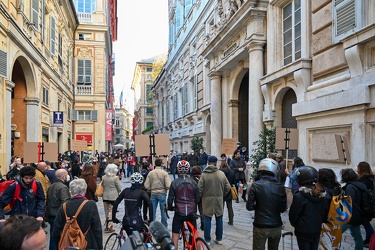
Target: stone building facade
40, 51
235, 66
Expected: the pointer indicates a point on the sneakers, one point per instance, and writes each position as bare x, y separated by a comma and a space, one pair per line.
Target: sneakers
219, 242
230, 223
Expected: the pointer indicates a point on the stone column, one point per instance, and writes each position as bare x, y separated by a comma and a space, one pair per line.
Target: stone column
233, 116
256, 101
32, 116
8, 122
216, 117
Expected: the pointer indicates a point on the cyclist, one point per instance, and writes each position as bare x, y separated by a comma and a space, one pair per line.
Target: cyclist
184, 193
133, 198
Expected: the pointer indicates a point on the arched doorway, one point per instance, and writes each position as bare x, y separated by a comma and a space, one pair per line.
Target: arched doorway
243, 111
287, 119
19, 110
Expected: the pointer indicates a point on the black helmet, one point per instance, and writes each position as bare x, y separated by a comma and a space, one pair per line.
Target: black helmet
306, 174
268, 165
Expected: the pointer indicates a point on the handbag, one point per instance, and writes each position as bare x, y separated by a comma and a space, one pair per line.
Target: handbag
99, 190
233, 190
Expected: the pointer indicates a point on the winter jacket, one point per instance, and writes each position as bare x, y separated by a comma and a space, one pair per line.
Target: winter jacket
43, 179
133, 198
88, 219
353, 189
268, 198
158, 181
32, 205
235, 164
213, 185
307, 213
368, 181
193, 160
184, 193
203, 158
229, 173
91, 185
111, 187
57, 194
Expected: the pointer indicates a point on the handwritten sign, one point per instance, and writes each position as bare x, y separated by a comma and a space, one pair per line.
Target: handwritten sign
78, 145
228, 145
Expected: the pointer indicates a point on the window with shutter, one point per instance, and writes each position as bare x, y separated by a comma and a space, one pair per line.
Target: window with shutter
52, 35
84, 72
85, 6
347, 18
35, 13
3, 64
75, 115
188, 4
94, 115
195, 92
178, 20
292, 31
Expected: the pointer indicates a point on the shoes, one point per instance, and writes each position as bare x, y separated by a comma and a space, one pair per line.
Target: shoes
202, 228
230, 223
109, 230
244, 199
219, 242
237, 201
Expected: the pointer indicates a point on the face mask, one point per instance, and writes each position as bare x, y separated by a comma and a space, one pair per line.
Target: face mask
67, 178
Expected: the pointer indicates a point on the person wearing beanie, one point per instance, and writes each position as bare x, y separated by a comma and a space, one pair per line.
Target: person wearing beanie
31, 200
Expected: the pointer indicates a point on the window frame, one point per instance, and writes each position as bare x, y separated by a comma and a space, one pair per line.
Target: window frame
52, 35
86, 74
45, 96
293, 23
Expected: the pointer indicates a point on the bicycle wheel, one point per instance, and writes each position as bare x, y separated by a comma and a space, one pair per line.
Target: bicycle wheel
114, 242
201, 244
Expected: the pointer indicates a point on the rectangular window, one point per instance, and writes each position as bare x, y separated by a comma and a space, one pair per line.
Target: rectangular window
68, 111
149, 111
117, 131
85, 6
60, 50
52, 45
185, 103
149, 69
188, 4
58, 104
195, 92
148, 93
84, 72
85, 115
149, 124
35, 13
175, 107
177, 17
292, 31
45, 96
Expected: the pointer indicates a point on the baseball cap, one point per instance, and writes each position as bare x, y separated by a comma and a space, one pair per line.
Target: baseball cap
212, 158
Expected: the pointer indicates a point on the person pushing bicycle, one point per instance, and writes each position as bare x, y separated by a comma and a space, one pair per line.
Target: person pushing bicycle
133, 198
184, 193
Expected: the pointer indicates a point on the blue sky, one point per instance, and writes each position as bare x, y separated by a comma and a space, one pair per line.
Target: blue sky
142, 33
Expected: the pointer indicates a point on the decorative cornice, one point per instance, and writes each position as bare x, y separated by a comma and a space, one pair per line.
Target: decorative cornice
32, 100
10, 85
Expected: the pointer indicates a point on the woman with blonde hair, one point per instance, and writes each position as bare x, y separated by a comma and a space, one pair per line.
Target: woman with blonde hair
112, 187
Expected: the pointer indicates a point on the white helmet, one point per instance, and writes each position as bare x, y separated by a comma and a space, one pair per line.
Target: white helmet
136, 178
268, 165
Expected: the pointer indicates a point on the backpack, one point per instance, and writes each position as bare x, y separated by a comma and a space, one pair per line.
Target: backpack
71, 235
16, 195
340, 209
368, 202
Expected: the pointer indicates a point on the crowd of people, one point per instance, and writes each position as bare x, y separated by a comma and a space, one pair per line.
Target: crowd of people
200, 187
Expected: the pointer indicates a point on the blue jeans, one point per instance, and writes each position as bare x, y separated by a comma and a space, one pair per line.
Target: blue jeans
51, 222
207, 228
130, 169
161, 199
355, 231
203, 166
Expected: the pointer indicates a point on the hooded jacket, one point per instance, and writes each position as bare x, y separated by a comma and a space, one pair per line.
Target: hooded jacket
213, 186
32, 205
354, 190
307, 213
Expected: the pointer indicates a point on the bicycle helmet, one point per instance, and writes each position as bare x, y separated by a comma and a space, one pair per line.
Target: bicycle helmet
136, 178
268, 165
306, 174
183, 166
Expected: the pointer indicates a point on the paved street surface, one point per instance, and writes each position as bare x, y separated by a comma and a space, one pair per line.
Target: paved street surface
238, 236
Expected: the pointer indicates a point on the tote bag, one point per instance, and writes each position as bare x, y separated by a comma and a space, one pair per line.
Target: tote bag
99, 190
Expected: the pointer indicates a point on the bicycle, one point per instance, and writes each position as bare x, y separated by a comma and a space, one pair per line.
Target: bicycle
116, 240
190, 237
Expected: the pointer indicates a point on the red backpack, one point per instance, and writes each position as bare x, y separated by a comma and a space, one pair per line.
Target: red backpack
17, 193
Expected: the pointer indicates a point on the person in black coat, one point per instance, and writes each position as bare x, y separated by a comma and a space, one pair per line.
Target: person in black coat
353, 188
237, 164
366, 177
88, 219
173, 167
229, 173
309, 209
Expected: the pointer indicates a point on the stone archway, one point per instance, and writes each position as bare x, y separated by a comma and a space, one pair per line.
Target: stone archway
23, 91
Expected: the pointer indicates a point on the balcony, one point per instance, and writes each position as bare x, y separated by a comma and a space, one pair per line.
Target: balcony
84, 17
84, 90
